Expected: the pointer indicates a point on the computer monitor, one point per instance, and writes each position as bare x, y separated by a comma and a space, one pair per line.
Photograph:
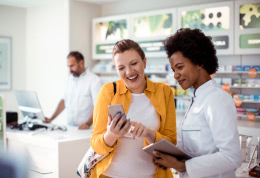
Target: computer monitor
2, 125
29, 104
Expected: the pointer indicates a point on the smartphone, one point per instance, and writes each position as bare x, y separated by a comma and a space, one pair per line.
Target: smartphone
115, 109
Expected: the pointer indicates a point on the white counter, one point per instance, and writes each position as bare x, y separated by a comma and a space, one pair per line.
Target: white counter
53, 154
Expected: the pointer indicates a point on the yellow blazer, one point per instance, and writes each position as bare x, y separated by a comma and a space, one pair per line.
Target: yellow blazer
162, 99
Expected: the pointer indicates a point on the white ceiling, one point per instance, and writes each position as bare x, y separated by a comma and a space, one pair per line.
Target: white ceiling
35, 3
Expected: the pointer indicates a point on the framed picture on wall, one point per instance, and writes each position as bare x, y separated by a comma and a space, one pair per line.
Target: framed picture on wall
5, 63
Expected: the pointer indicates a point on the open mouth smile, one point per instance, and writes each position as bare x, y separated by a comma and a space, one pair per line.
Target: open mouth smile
132, 78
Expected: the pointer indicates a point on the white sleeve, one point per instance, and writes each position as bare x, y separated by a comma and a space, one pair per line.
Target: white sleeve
95, 87
221, 116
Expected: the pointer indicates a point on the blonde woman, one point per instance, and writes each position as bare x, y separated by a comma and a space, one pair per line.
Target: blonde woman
150, 116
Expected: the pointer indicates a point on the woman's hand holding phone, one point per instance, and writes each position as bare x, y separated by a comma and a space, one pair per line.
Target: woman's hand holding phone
116, 127
119, 125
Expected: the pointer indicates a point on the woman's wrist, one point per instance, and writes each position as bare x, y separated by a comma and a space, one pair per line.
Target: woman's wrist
150, 138
110, 138
181, 166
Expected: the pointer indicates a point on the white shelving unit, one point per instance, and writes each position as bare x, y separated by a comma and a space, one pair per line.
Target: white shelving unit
105, 73
114, 73
235, 72
253, 102
244, 116
169, 72
251, 128
182, 97
180, 112
240, 87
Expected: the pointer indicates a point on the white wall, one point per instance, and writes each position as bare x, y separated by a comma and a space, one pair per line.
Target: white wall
81, 15
47, 49
12, 24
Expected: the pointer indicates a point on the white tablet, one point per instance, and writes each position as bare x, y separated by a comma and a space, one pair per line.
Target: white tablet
166, 147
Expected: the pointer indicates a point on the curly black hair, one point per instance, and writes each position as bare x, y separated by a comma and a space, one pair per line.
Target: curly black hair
194, 45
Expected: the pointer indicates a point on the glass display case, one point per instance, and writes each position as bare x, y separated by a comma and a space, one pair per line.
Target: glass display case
247, 27
150, 29
106, 32
214, 20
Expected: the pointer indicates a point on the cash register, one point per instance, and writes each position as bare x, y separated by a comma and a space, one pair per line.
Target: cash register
29, 105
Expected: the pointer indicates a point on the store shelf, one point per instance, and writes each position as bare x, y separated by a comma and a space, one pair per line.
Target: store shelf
235, 72
113, 73
248, 124
239, 87
253, 102
105, 73
244, 116
180, 112
182, 97
165, 73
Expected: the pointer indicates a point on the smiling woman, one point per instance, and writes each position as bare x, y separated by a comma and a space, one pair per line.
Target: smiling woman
150, 116
209, 130
130, 65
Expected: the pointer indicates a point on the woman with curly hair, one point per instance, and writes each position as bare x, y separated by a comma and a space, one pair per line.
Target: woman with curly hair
208, 132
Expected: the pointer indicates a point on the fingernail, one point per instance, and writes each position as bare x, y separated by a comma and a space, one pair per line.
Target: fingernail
128, 119
124, 116
119, 114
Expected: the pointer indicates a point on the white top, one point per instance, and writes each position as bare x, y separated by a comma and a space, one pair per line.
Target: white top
129, 160
209, 133
80, 96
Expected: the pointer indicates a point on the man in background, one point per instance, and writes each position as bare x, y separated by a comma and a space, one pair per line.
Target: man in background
80, 93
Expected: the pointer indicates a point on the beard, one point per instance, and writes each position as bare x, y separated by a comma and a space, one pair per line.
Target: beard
75, 74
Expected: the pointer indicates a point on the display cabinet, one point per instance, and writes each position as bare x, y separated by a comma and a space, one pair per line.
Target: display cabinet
243, 83
150, 29
247, 27
215, 20
106, 32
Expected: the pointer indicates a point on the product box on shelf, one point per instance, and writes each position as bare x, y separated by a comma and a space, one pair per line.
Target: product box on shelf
247, 68
257, 68
255, 111
228, 68
239, 68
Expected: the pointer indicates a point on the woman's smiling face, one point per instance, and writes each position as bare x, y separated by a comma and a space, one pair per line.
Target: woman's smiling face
130, 68
185, 72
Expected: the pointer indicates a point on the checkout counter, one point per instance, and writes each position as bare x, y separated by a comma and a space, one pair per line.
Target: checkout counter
53, 154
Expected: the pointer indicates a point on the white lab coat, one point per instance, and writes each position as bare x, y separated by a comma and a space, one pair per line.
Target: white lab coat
208, 132
80, 96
